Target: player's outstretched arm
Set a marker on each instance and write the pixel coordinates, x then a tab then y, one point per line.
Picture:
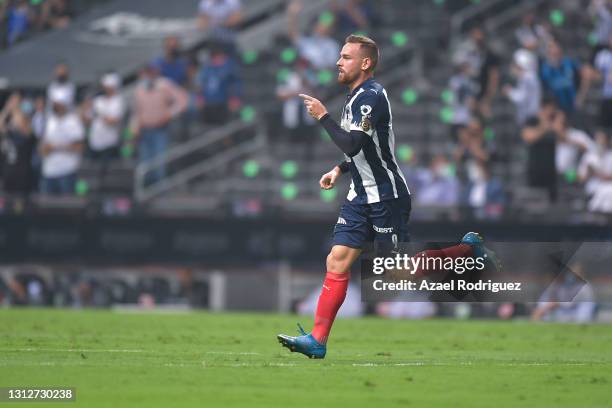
349	142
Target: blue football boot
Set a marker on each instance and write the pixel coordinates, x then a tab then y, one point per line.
305	344
476	241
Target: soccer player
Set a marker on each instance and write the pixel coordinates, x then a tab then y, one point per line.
378	206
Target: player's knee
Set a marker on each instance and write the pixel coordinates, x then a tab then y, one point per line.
339	260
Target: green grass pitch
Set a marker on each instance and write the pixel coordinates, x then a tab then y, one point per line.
233	360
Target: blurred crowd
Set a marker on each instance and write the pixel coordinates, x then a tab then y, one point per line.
548	88
145	287
22	19
45	136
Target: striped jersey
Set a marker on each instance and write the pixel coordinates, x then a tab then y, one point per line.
374	170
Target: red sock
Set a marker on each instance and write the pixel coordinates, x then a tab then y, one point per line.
330	300
455	251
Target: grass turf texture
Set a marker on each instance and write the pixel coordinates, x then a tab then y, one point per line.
230	360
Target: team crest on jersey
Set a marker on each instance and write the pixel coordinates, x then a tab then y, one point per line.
366	124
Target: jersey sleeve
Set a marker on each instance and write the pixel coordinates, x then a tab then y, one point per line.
365	111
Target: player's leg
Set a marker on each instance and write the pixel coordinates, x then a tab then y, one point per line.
470	246
350	233
334	288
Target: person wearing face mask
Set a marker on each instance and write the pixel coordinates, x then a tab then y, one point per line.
157	101
16	144
61	146
172	64
437	185
485	192
62	83
106	113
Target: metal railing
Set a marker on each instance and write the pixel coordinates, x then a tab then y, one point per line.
460	18
513	13
144	192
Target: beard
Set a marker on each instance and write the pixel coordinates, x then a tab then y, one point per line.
344	78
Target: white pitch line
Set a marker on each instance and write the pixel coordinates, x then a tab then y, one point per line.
499	364
75	350
235	353
255	365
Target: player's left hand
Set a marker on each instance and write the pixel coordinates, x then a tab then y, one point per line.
314	106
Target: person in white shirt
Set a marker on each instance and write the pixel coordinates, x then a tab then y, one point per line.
595	171
527	94
571	144
61	83
533	35
61	146
603	71
106	114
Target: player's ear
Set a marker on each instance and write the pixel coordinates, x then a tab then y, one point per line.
366	63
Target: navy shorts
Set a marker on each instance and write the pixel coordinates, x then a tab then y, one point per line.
384	223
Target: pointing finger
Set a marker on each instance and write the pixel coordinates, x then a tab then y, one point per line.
306	97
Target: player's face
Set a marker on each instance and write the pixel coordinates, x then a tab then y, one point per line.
350	63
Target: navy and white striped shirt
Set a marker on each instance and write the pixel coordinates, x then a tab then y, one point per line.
374	170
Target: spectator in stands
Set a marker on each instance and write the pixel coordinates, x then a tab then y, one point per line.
157	101
485	192
484	67
220	87
106	116
56	14
172	64
601	11
603	65
564	78
61	82
17	144
540	136
61	146
527	93
595	171
295	117
571	144
19	18
437	184
568	299
532	35
220	18
352	16
38	117
472	149
463	90
319	48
